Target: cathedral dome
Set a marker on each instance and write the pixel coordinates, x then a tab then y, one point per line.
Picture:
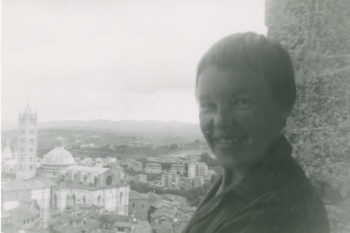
58	155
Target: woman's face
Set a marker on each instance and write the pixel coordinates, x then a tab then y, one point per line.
239	117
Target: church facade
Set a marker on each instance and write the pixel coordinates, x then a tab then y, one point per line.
83	186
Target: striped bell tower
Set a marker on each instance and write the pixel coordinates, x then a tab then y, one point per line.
27	144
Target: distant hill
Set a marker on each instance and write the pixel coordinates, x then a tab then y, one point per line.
138	128
113	132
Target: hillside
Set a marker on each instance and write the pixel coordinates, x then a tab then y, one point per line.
114	133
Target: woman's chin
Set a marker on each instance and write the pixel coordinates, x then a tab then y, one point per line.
228	163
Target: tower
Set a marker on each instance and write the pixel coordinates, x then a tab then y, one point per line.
191	172
7	153
27	144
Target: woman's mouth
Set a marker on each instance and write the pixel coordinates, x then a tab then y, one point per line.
229	141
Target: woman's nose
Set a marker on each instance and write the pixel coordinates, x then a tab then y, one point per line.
223	117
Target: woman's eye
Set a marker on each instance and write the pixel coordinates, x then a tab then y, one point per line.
242	102
207	106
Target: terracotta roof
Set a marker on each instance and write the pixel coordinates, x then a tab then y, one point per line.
75	185
163	228
25	210
87	168
136	195
113	218
10	162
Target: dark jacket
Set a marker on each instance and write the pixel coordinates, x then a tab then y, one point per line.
275	197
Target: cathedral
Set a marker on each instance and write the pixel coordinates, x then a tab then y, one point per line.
58	182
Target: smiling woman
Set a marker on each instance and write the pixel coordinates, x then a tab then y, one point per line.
245	91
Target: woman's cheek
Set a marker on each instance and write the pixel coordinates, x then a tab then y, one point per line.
205	124
248	119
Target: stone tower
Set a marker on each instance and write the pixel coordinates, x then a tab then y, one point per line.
316	33
27	144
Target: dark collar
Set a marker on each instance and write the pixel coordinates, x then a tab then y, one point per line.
272	172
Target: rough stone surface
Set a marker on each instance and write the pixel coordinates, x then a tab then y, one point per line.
317	35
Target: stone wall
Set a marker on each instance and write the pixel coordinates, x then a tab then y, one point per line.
317	35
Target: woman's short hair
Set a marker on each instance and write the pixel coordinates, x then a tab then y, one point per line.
252	52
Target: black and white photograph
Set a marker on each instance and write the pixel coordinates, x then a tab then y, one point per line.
163	116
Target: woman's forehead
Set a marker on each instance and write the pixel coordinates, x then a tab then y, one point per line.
224	81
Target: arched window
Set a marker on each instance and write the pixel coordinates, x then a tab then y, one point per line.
121	197
109	180
67	201
55	200
95	181
99	200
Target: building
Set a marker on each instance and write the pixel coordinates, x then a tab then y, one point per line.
26	217
202	169
18	191
27	144
9	167
171	180
191	170
27	185
187	184
92	219
211	173
86	161
167	217
135	165
108	162
56	160
8	160
195	168
86	186
7	152
178	168
138	205
87	145
179	201
153	168
141	178
198	181
111	223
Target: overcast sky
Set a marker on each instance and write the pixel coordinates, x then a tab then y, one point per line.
115	60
